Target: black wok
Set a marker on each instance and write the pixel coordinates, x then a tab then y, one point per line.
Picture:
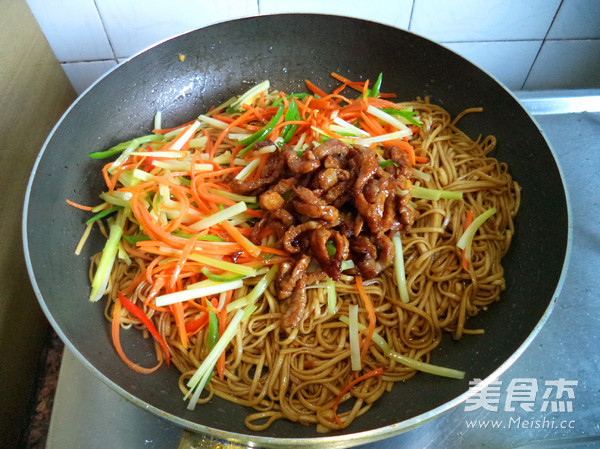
223	60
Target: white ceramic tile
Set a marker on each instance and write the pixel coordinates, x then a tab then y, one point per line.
566	64
73	29
83	74
134	25
576	19
388	12
489	20
508	61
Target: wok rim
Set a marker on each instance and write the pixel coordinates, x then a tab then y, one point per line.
336	441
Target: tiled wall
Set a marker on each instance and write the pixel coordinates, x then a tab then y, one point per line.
526	44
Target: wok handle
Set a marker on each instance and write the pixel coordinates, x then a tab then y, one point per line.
193	440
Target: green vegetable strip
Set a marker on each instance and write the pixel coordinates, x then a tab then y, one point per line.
204	371
103	213
399	268
353	337
213	330
133	239
258	290
262	133
387	163
288	130
123	145
331	249
247	96
374	91
466	240
434	194
407	361
193	293
221	277
107	259
427	367
278	102
331	295
405	114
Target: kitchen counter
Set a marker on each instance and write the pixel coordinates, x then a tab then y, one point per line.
550	397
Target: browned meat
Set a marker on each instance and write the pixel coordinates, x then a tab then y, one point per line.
295	239
303	164
270	174
292	290
332	265
330	194
331	147
271	200
309	204
289	276
402	167
293	307
372	255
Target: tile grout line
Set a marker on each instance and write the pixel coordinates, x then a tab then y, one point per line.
412	10
541	46
106	33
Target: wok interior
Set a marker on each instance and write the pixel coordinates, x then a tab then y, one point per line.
224	60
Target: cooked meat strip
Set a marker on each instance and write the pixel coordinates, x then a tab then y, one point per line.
270	173
326	204
289	276
293	241
305	163
309	204
332	265
372	255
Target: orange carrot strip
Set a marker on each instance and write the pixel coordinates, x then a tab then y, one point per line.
314	89
187	249
141	315
234	232
116	324
80	206
348	387
160	282
193	327
178	314
340	78
245	117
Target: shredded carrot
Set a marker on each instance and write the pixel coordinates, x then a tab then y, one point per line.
165	222
348	387
314	89
250	247
193	327
178	314
80	206
116	325
246	116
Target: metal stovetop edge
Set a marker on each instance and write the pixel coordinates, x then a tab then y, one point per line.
560	101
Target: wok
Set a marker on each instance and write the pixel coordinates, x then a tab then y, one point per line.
226	59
